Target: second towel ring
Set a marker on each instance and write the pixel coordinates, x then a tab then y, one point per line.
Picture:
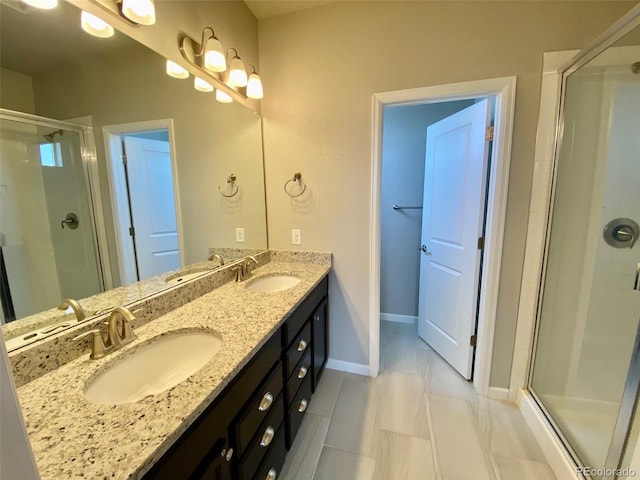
232	180
297	177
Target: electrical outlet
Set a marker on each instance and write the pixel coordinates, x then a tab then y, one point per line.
239	235
296	237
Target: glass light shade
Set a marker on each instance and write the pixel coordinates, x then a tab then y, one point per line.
139	11
95	26
214	56
254	87
237	73
223	97
202	85
176	71
43	4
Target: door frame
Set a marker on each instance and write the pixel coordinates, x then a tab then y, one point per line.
504	91
118	190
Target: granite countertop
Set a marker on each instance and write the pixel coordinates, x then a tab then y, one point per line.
72	438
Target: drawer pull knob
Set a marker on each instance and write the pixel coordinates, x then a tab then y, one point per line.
302	346
271	474
227	454
266	402
303	405
316	318
302	372
267	437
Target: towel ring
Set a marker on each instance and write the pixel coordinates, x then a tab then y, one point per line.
232	181
297	177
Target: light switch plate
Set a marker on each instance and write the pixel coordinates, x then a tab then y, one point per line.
296	237
239	235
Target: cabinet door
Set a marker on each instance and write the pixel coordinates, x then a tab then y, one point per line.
320	340
217	466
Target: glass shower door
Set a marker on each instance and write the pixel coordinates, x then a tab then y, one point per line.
589	311
47	237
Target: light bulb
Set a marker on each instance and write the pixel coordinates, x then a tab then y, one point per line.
139	11
43	4
202	85
223	97
214	56
254	87
237	73
176	71
95	26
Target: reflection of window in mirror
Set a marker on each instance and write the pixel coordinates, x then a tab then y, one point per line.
51	154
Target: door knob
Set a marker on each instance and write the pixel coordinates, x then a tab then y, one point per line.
425	250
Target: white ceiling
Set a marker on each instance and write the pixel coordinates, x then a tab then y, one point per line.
271	8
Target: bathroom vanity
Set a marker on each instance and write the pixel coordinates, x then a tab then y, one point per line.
235	418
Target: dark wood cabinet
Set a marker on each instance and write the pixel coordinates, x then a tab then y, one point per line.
245	433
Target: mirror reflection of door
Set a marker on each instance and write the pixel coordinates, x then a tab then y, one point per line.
151	221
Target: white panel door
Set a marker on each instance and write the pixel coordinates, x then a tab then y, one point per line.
452	221
153	208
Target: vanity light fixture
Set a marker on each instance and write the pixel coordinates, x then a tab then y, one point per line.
142	12
176	71
237	72
254	85
95	26
42	4
211	48
223	97
202	85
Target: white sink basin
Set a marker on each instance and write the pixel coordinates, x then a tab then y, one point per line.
153	368
273	283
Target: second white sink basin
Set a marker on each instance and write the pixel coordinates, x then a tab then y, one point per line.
153	368
273	283
181	278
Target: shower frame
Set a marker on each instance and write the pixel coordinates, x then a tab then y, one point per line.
88	155
625	415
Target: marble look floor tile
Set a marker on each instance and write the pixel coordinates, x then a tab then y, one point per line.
458	447
402	457
338	465
443	380
305	452
403	407
353	421
327	393
399	355
510	468
505	432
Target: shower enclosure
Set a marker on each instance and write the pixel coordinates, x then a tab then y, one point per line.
48	247
585	370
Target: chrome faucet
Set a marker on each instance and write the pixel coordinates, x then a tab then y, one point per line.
243	269
75	306
116	337
215	256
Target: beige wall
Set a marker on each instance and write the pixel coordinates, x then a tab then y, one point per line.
320	68
16	91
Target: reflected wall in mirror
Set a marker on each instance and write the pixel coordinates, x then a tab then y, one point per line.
182	148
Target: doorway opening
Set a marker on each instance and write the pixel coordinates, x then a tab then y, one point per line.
451	225
142	172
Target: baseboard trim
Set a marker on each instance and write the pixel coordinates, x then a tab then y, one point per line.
498	393
348	367
554	451
392	317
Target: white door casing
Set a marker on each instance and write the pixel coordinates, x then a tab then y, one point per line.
152	205
454	200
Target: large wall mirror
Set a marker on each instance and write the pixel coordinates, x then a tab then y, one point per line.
164	177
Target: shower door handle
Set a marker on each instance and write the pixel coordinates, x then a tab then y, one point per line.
636	284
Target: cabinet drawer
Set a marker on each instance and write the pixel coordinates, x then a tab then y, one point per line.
274	460
297	410
262	441
300	373
298	349
298	318
264	401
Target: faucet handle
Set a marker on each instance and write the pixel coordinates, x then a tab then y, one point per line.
99	349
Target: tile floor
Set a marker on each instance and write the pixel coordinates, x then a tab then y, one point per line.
419	420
